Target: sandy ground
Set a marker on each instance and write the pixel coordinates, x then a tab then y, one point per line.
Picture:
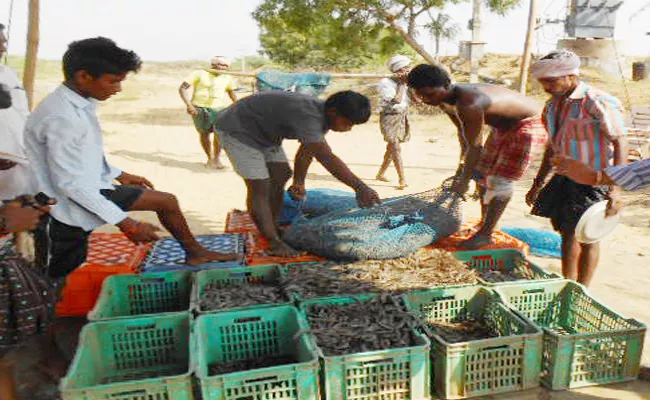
147	132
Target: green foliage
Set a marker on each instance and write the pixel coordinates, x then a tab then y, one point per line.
329	33
442	27
502	7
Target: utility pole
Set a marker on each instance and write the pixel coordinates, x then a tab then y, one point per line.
476	41
528	46
31	55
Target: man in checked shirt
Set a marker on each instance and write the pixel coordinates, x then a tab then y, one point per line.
584	124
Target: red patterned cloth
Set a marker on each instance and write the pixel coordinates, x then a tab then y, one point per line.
509	153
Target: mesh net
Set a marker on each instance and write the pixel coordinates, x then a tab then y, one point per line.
305	82
396	228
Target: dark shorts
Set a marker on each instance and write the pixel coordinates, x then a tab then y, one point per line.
564	201
204	121
61	248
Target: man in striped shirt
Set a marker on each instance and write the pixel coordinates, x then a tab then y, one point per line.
584	124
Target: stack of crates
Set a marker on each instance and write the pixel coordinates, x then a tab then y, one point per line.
108	254
585	343
506	363
396	373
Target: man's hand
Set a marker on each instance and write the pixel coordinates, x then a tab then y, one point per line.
366	197
193	111
460	186
139	232
19	218
614	204
134	180
532	194
6	164
297	192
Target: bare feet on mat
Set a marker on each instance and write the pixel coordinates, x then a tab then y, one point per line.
202	255
382	178
477	241
281	249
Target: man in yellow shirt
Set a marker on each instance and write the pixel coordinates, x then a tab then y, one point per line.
212	92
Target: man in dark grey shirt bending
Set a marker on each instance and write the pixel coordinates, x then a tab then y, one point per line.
251	133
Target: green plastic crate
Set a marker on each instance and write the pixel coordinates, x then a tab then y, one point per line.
128	296
236	276
253	334
507	363
504	260
393	374
585	343
132	359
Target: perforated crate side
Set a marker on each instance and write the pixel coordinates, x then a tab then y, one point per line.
168	255
126	296
268	274
508	363
249	334
400	373
585	343
132	359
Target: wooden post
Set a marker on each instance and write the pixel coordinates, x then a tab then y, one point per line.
31	55
528	47
476	39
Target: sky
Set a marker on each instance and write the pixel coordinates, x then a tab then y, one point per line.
168	30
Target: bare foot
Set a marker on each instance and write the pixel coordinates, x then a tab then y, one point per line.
402	185
203	255
475	242
382	178
215	163
281	249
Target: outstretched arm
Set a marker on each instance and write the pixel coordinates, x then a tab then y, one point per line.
323	153
302	162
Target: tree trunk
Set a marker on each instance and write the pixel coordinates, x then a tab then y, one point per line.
31	55
437	45
528	47
413	43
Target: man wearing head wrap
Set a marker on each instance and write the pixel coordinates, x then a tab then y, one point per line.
393	116
212	92
516	136
584	124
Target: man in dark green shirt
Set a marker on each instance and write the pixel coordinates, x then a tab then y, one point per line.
252	131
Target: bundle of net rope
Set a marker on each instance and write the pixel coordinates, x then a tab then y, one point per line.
396	228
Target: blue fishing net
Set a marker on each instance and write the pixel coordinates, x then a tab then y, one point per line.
313	83
396	228
542	242
317	202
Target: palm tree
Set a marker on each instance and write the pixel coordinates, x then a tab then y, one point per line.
442	27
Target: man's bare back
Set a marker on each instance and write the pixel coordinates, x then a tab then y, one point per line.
502	108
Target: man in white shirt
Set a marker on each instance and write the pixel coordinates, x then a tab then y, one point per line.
14	170
393	116
64	140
